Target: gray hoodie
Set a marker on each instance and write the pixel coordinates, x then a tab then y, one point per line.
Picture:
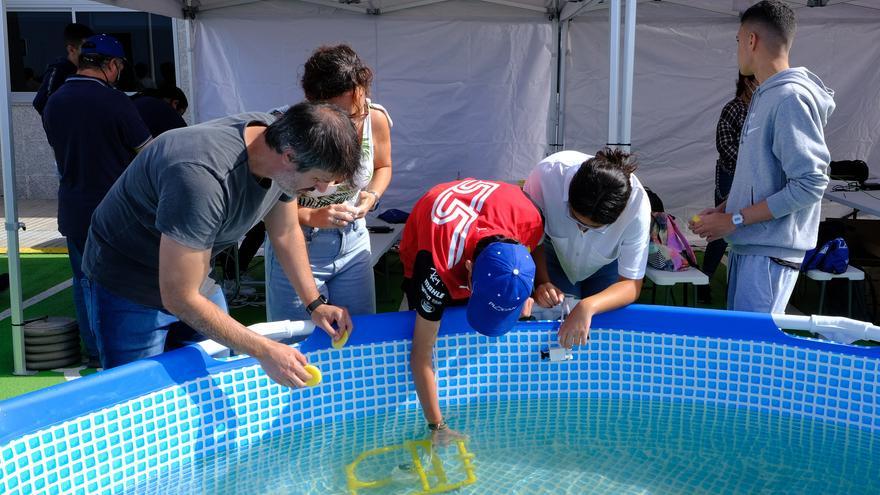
782	159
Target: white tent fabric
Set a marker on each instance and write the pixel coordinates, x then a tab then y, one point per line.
470	84
685	71
468	97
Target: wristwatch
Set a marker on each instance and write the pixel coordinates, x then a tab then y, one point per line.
737	219
317	302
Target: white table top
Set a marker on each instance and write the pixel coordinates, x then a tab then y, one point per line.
864	201
381	243
663	277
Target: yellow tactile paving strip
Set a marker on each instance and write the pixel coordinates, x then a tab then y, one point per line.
41	236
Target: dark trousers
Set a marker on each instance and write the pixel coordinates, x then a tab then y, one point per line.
246	252
715	249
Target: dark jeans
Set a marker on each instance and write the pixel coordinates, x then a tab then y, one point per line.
594	284
74	253
715	249
127	331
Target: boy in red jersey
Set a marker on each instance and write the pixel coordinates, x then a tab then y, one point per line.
466	242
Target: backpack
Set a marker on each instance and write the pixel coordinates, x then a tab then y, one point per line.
669	249
849	170
832	257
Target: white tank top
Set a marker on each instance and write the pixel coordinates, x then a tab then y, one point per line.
348	192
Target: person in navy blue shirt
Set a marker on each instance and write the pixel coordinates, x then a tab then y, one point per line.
161	109
57	72
95	131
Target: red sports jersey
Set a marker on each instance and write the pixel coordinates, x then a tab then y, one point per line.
451	218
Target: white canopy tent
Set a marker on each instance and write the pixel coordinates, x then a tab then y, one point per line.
472	84
475	87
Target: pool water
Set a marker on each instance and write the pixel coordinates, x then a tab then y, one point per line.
556	446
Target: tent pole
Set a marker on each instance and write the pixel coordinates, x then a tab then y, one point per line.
562	63
190	65
553	115
12	224
629	50
614	74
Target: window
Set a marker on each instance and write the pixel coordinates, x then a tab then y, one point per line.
36	40
148	45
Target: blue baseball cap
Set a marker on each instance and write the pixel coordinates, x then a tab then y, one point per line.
502	280
102	44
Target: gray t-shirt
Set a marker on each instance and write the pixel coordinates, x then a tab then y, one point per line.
192	185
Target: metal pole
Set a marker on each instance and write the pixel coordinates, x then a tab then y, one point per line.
614	73
152	54
553	116
193	101
11	221
629	54
563	62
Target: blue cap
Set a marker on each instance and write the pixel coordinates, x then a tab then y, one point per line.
502	281
102	44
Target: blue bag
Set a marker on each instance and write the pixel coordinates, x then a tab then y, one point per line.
394	216
832	257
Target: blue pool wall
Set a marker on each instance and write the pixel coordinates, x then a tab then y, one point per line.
124	427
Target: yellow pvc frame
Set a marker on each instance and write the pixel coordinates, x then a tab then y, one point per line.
413	446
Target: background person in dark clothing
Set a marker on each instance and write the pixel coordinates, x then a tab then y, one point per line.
161	109
95	132
58	71
727	133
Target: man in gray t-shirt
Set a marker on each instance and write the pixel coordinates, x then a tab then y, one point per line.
188	195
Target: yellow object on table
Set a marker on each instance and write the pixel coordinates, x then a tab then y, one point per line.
432	481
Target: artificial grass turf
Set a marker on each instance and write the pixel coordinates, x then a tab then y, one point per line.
39	273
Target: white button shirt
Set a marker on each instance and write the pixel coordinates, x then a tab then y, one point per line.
582	254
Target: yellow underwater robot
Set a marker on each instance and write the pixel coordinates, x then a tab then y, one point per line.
431	481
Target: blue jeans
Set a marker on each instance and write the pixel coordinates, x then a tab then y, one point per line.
74	253
593	284
127	331
340	260
758	284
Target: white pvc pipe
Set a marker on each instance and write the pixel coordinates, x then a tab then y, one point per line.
629	50
11	220
614	72
275	330
835	328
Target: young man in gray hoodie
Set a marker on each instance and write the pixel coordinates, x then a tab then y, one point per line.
771	217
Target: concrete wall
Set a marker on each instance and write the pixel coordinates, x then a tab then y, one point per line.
36	176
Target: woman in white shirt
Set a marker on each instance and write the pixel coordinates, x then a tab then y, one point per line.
597	221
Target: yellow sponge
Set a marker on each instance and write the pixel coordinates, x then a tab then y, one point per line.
316	375
340	343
